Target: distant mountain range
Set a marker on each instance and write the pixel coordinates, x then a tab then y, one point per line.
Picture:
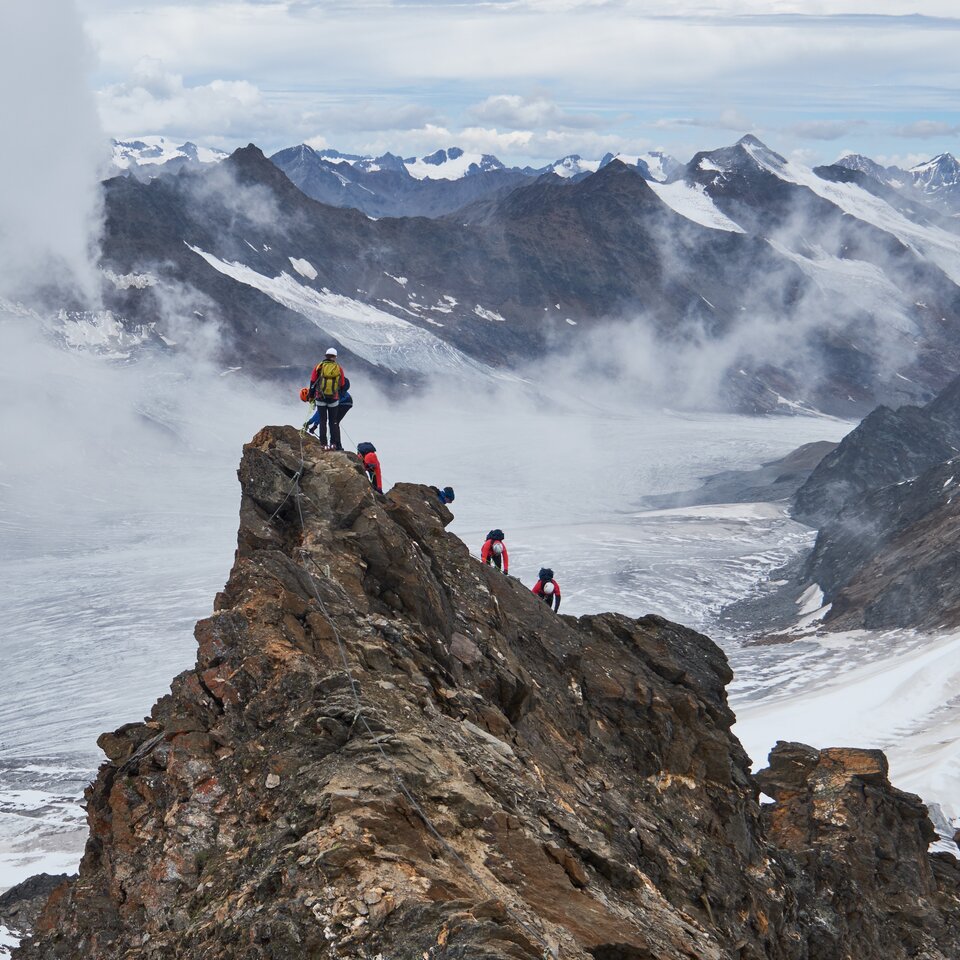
148	157
751	280
936	182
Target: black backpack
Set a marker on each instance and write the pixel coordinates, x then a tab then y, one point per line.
495	535
545	574
364	448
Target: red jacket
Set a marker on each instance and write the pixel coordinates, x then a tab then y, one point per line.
371	464
316	374
548	597
487	554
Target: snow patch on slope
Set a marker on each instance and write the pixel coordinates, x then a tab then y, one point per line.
693	202
102	333
485	314
7	942
855	281
304	267
450	164
375	335
573	166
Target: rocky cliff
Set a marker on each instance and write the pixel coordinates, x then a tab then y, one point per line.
386	749
888	547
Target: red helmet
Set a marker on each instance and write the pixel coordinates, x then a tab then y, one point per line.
304	394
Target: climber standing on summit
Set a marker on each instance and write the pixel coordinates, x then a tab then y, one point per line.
494	551
326	383
547	589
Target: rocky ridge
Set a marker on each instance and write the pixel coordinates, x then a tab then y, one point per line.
388	749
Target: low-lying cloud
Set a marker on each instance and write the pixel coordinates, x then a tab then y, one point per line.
53	152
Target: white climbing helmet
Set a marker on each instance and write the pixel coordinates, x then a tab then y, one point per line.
498	548
548	587
331	351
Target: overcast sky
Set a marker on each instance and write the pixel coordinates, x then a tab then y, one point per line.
533	80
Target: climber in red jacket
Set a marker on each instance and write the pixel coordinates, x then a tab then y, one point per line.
494	551
367	453
547	589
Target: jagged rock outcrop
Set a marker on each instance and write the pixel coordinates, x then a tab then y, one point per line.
21	905
857	882
388	749
888	446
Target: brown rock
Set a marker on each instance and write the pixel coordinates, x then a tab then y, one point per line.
479	781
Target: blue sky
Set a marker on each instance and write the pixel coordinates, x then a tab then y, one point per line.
533	80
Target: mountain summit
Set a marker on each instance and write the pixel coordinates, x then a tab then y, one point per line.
386	748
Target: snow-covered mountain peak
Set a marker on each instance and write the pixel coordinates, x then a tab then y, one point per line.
936	174
146	151
451	164
653	165
760	152
862	164
573	166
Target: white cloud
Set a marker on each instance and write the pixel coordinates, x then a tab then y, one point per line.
53	150
157	101
517	113
728	119
922	129
824	129
333	68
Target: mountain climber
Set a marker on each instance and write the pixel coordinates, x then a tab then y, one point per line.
494	551
547	589
326	382
367	453
444	494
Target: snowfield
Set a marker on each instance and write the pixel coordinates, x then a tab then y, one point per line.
377	336
691	201
7	941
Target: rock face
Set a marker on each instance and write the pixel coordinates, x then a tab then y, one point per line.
20	905
877	887
386	748
885	503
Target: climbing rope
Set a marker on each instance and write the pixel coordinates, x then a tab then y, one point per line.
549	951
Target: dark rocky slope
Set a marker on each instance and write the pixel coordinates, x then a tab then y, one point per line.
487	780
888	551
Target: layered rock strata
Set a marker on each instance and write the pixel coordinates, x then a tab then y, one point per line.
388	749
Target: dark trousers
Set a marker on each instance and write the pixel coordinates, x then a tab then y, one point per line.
331	413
